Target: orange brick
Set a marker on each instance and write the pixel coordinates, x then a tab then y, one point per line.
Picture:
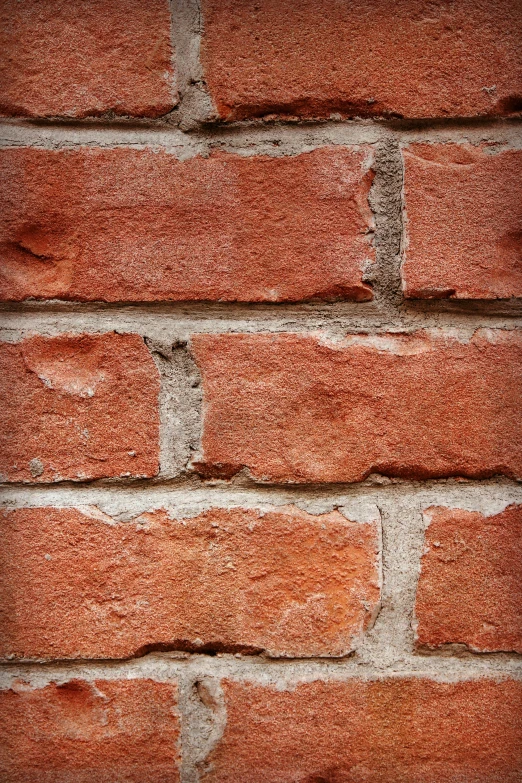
296	408
464	222
78	585
78	407
61	59
106	731
406	730
140	225
470	587
401	58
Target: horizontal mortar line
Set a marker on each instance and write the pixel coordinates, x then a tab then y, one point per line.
347	662
392	125
161	666
190	489
222	318
307	134
510	308
189	308
210	307
223	127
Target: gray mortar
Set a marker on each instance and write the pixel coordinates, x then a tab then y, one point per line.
179	406
272	139
192	499
196	106
386	204
283	675
177	323
202	705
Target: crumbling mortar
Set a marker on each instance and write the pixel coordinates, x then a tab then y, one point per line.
277	138
187	481
414	309
179	323
196	107
386	204
168	667
179	406
203	711
194	496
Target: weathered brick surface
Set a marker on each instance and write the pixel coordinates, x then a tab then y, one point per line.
364	57
464	222
75	584
407	730
241	228
78	407
119	225
106	731
58	58
470	587
295	408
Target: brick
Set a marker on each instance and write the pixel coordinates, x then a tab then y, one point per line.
59	60
141	225
470	587
78	407
76	584
106	731
297	408
406	730
364	57
464	222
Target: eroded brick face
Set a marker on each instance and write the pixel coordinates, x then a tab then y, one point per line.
464	222
239	579
106	731
470	587
78	407
129	225
398	58
295	408
59	59
406	730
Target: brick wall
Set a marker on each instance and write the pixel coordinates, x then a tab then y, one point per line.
260	391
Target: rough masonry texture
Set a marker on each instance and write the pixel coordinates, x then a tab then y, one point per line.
464	222
118	225
78	407
260	391
281	580
401	729
397	58
470	587
101	731
298	408
56	60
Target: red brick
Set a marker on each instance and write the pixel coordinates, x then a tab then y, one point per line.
78	407
406	730
470	587
106	731
364	57
118	225
464	222
296	408
59	58
78	585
